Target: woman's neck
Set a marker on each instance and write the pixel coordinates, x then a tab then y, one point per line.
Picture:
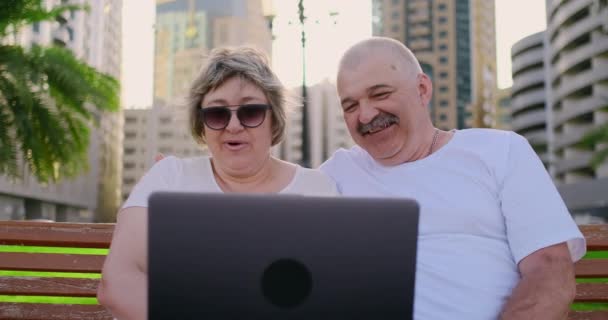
255	179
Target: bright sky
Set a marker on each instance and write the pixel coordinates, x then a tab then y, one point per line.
515	19
327	39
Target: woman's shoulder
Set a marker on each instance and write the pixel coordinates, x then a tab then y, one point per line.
177	169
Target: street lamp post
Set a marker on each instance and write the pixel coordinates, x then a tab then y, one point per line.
305	160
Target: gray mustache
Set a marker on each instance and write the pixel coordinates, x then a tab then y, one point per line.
380	121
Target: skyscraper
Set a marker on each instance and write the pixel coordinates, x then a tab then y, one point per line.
577	83
560	94
502	113
528	93
187	29
455	44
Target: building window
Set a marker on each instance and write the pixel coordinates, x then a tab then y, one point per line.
70	34
130	135
128	181
443	47
443	59
396	2
36	27
129	151
443	34
130	120
129	165
442	7
395	28
165	150
443	75
443	20
165	135
395	15
443	117
444	103
443	89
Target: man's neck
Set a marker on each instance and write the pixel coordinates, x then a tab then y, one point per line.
434	139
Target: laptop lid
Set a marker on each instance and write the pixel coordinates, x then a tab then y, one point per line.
221	256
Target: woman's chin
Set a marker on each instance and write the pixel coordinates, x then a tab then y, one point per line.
239	163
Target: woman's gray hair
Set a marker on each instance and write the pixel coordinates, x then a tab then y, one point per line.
249	64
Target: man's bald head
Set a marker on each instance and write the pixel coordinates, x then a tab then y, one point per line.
397	54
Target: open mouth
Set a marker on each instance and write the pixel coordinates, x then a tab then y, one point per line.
234	145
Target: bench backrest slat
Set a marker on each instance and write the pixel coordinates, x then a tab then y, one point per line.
591	268
41	311
596	236
588	315
591	292
51	262
78	235
40	286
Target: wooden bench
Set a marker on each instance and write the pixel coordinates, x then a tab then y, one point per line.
50	234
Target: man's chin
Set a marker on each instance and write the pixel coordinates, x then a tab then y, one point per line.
379	152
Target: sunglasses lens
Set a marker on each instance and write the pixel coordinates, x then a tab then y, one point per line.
216	117
252	115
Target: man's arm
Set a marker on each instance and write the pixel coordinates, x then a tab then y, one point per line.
547	286
124	285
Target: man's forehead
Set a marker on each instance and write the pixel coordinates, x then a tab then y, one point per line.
367	73
366	57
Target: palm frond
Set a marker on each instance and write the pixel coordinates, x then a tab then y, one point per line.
75	82
599	158
46	140
590	140
8	148
597	135
47	91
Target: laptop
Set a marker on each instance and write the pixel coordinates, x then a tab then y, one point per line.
221	256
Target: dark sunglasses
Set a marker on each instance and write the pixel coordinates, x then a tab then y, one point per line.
249	115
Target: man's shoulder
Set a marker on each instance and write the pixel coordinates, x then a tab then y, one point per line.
490	139
314	182
312	174
343	156
485	134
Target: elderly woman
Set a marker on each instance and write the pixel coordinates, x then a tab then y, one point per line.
237	108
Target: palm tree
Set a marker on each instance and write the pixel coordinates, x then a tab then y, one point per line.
594	137
47	98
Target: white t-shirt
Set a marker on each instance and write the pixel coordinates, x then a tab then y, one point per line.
196	175
486	202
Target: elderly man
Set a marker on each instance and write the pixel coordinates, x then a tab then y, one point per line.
496	240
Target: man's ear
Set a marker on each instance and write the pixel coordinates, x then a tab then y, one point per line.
425	89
